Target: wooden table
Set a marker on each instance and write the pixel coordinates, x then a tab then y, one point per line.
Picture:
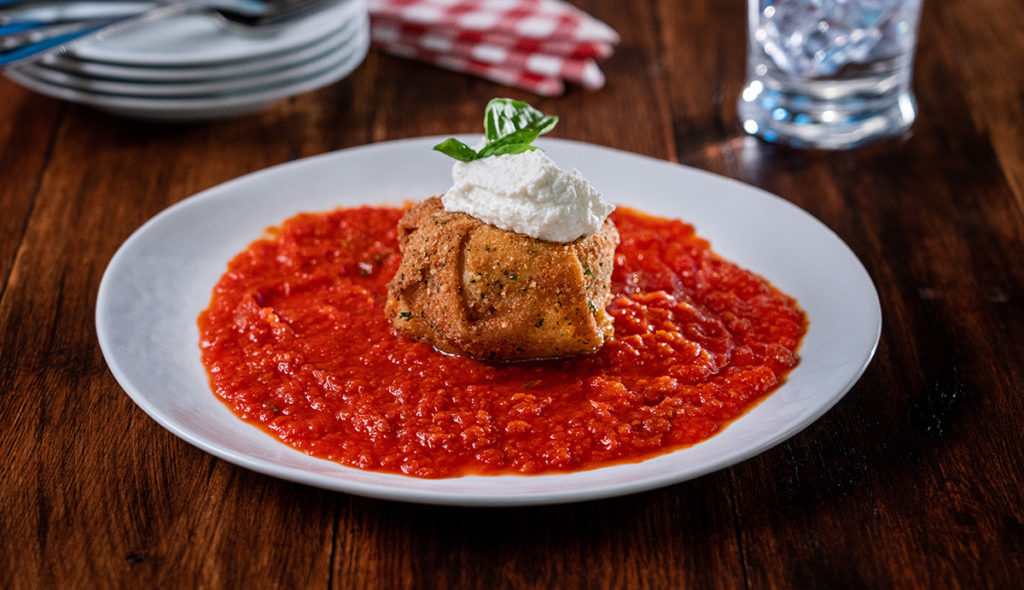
913	480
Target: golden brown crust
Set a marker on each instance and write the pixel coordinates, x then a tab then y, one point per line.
470	288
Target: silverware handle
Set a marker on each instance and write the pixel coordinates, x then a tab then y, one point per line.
22	42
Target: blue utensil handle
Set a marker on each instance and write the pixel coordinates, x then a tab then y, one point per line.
18	27
27	34
19	43
28	50
22	44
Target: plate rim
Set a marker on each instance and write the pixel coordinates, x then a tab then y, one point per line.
305	67
173	108
201	82
288	38
428	496
142	74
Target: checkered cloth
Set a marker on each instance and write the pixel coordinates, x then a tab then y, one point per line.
537	45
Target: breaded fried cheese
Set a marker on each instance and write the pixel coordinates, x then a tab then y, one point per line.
469	288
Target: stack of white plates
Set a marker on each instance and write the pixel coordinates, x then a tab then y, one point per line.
192	67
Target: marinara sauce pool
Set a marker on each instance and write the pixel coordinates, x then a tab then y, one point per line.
296	341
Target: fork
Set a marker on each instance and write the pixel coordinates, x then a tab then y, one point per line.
30	29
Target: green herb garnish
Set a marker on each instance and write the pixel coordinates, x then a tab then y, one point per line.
510	127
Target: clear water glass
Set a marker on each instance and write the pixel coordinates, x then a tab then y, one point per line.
829	74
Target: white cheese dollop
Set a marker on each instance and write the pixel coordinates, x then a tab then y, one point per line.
527	193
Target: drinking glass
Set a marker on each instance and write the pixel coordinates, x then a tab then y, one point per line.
829	74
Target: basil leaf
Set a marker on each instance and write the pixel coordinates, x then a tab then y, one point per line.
510	126
458	150
494	149
505	116
497	147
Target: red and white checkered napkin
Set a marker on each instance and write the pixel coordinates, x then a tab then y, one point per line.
536	45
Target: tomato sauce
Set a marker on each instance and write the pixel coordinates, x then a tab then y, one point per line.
295	340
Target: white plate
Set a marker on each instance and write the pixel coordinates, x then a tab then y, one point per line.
200	40
337	51
207	107
79	9
162	277
139	75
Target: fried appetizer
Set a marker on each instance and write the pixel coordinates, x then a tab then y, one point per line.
469	288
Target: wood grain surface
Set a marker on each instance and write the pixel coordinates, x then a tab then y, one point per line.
912	481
